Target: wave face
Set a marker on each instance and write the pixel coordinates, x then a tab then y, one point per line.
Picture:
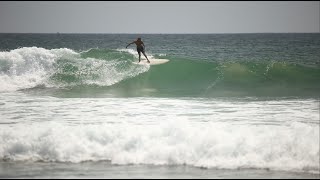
114	72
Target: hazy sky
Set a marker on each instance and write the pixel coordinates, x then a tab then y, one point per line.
159	17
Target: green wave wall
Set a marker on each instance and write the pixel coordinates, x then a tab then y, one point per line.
184	77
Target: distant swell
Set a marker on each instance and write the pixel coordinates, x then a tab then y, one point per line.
32	67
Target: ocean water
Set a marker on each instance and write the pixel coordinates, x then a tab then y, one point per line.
224	106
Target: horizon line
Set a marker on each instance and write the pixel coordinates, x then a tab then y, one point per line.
158	33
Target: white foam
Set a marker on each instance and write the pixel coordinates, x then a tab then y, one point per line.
28	66
174	142
108	72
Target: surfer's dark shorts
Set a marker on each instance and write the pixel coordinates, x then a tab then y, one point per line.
140	49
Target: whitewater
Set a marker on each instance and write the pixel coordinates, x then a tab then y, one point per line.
231	107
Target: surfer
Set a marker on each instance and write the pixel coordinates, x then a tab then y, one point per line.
140	48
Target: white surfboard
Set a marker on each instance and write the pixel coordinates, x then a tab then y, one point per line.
152	61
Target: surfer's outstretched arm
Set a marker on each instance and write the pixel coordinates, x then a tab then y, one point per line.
129	44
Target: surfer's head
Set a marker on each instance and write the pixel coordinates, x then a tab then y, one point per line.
139	39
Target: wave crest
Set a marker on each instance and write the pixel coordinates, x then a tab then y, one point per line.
30	67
